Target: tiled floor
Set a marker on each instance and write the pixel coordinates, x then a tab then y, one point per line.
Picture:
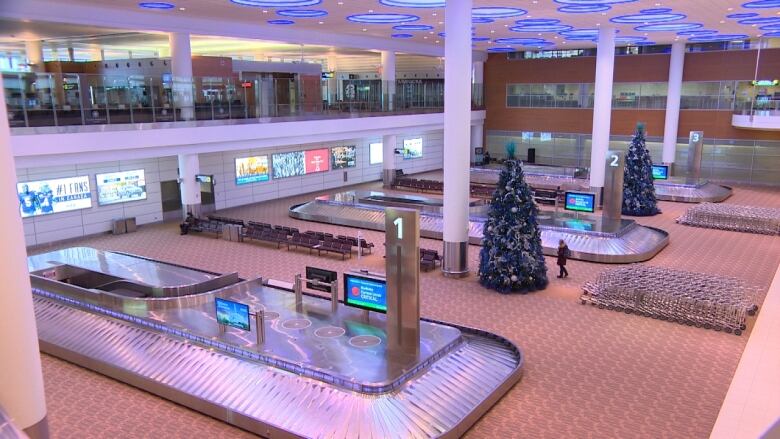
589	372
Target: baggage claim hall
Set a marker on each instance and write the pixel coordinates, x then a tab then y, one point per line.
390	219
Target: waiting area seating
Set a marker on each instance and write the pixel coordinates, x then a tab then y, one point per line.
428	259
208	225
479	190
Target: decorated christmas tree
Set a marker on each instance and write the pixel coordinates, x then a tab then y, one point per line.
638	190
511	259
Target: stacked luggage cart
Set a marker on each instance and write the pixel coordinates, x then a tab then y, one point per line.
696	299
749	219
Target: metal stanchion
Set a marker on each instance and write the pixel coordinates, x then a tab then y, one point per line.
260	326
298	289
334	297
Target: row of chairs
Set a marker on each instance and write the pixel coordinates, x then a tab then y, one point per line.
207	225
226	220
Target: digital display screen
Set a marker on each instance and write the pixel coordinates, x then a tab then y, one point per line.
53	196
366	293
252	169
233	314
545	137
317	160
204	178
119	187
375	154
327	276
580	202
413	148
343	157
660	172
288	164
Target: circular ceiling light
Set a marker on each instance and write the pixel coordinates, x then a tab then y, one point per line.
277	3
540	28
408	27
580	32
771	35
414	3
583	9
402	35
282	22
655	11
715	38
760	4
646	18
743	15
302	13
629	39
481	20
521	41
593	2
645	43
501	49
582	38
497	12
156	5
668	27
537	21
770	27
382	18
479	39
760	20
692	33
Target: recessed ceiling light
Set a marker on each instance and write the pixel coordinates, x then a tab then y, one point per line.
321	22
492	31
729	9
182	9
364	29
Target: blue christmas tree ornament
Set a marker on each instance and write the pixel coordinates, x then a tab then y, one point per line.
638	189
511	259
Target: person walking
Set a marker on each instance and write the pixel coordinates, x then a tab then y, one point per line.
563	255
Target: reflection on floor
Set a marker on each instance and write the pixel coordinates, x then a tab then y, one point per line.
589	372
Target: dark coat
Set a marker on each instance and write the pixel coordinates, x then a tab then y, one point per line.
562	254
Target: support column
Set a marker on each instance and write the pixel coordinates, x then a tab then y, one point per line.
457	123
602	106
333	83
388	80
21	379
478	83
477	139
34	54
181	70
388	160
189	167
672	122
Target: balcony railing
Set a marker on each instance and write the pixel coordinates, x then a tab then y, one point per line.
42	100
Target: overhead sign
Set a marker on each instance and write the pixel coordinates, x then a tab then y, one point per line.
766	82
365	292
53	196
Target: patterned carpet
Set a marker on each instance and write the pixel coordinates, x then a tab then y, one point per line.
589	372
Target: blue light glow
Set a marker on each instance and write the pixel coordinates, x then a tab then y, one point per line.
497	12
691	33
712	38
593	2
629	39
583	9
647	18
276	3
382	18
771	34
414	3
501	49
281	22
743	15
156	5
580	32
481	20
402	35
770	27
521	41
541	28
302	13
408	27
645	43
760	4
760	20
537	21
479	39
582	38
655	11
668	27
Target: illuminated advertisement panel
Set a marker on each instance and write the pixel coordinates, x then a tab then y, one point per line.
119	187
53	196
252	169
317	160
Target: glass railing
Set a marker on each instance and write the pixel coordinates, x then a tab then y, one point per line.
759	106
45	99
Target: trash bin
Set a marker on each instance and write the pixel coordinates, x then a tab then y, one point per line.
226	232
118	226
235	233
130	225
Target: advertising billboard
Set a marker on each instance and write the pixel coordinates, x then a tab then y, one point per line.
660	172
366	293
317	160
252	169
288	164
54	196
375	154
233	314
119	187
343	157
413	148
580	202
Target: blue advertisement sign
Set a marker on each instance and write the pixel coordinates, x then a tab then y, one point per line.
660	172
366	293
233	314
53	196
580	202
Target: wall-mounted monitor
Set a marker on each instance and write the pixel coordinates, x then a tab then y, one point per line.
204	179
288	164
343	157
413	148
326	276
119	187
365	292
375	153
233	314
57	195
580	202
660	172
317	160
252	169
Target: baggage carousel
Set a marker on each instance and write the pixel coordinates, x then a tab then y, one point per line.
319	372
682	190
590	238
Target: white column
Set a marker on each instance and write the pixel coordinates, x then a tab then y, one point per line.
388	79
673	102
21	379
457	136
181	70
389	143
477	136
602	105
478	82
333	83
34	54
189	166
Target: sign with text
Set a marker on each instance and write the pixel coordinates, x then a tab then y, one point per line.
53	196
660	172
580	202
402	265
317	160
365	292
233	314
252	169
118	187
